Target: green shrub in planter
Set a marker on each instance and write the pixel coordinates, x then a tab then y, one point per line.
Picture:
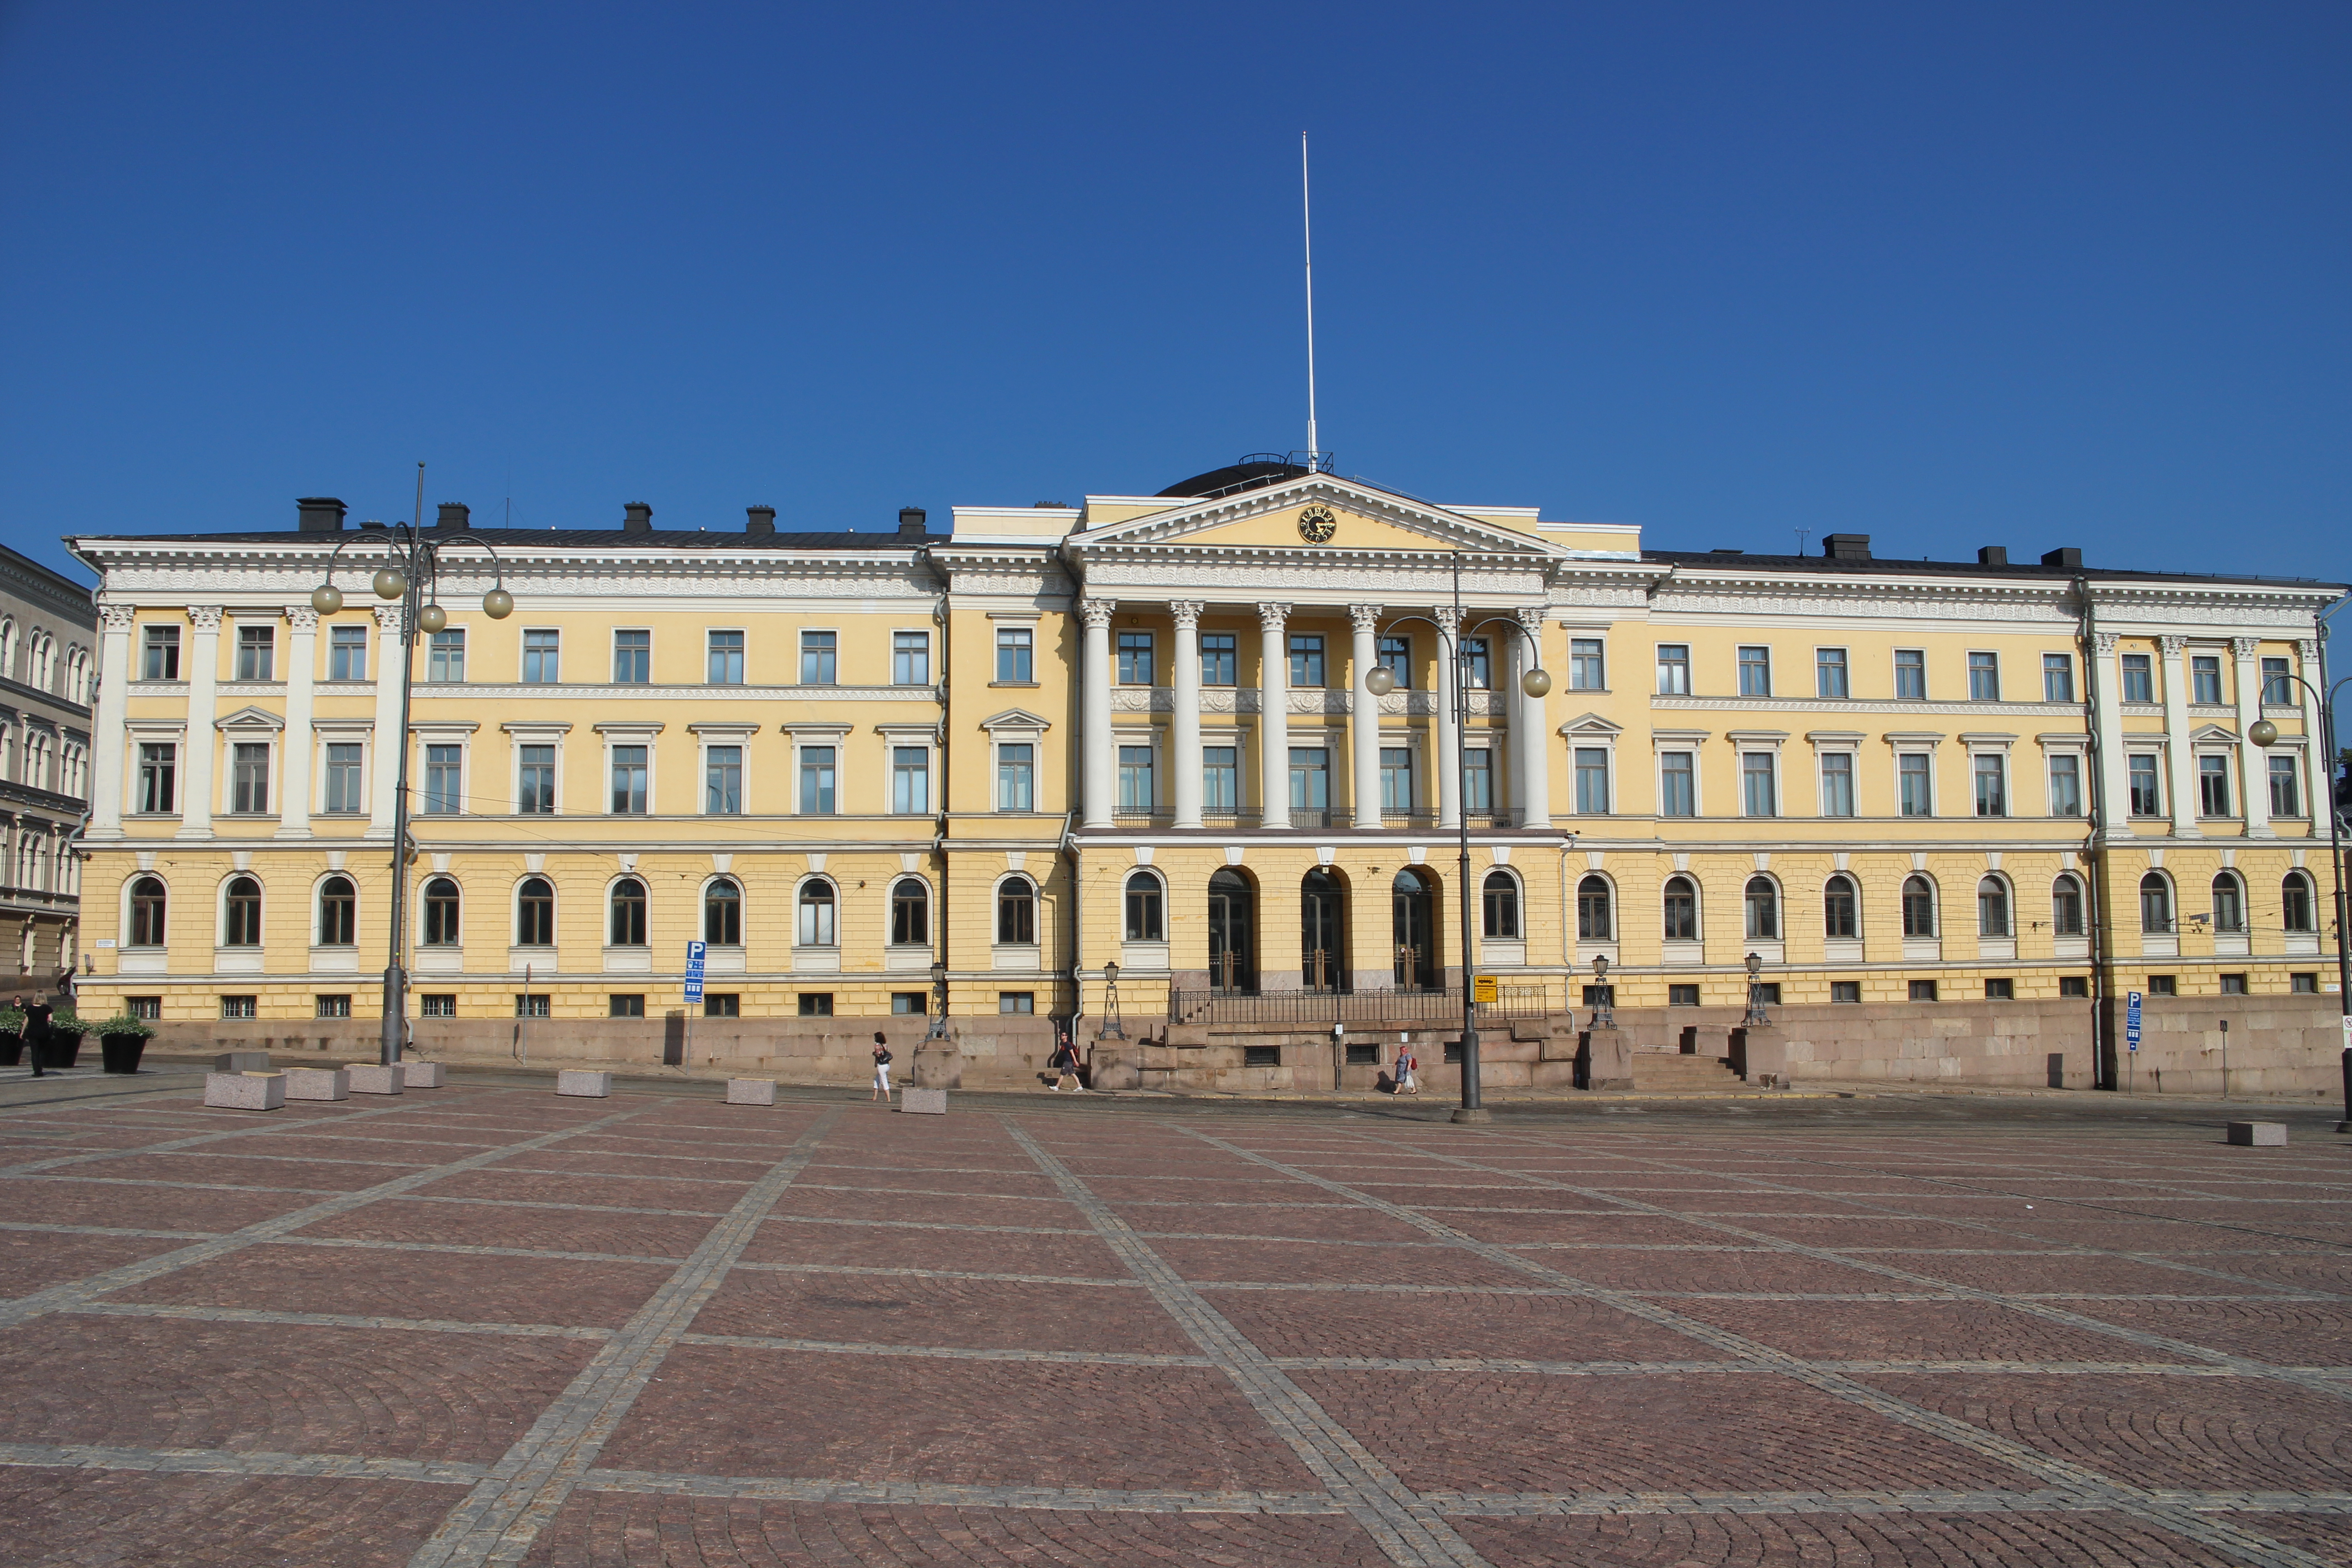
11	1037
122	1040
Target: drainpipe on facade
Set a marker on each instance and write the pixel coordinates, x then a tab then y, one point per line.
947	775
2105	1071
1077	923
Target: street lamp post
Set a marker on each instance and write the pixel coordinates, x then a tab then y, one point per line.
2265	733
1110	1030
410	575
1604	1012
1757	1018
939	1029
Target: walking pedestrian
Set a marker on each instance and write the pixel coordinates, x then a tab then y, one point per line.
36	1034
1407	1065
31	1052
1065	1065
881	1068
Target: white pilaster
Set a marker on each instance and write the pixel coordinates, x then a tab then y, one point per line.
391	664
1274	717
2318	757
1449	722
201	780
1184	747
2253	762
1533	746
1364	723
109	745
2180	757
295	745
1098	748
2107	719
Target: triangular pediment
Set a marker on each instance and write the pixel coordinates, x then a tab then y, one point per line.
250	718
2213	732
1591	724
1292	516
1016	719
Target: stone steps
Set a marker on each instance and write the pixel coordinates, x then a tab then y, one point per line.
1662	1072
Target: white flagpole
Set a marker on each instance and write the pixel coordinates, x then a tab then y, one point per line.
1307	219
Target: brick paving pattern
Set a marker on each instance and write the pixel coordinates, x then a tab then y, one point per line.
487	1326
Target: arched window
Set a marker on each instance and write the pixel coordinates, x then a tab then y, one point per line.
440	912
1841	909
1145	919
628	928
1992	906
911	913
2066	906
1016	912
2155	904
2295	896
535	913
1918	907
242	928
2229	903
147	902
1595	921
1500	898
723	911
813	908
1682	909
339	912
1763	901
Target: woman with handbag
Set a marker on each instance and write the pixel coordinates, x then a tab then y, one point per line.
881	1068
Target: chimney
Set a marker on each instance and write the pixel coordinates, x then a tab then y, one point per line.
762	521
318	514
2068	559
1846	546
1993	556
455	514
911	524
640	518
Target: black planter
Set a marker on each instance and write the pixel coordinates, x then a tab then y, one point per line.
122	1051
60	1050
12	1050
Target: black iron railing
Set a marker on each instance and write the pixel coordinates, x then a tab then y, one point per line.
1325	1008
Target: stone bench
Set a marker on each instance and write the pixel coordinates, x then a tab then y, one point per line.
425	1075
586	1085
2258	1134
246	1091
318	1083
241	1061
750	1092
374	1077
924	1101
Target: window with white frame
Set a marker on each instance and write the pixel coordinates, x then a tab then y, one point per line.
1016	655
2065	784
1135	659
2143	791
633	657
910	913
2057	678
163	653
723	657
817	780
1220	659
1592	763
444	768
1910	674
820	659
1759	785
630	776
1837	784
1915	794
1830	673
1016	912
1135	781
2213	786
2066	905
1673	670
2278	683
346	777
910	779
159	775
2139	677
540	646
445	657
1990	772
1993	907
1394	654
535	780
1221	779
255	653
723	911
1016	776
249	777
347	651
2286	785
1396	780
1755	671
1478	780
1984	678
1586	670
2205	679
814	908
911	659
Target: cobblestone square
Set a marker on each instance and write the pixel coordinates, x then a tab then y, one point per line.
484	1325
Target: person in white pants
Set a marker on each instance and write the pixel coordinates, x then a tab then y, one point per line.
881	1068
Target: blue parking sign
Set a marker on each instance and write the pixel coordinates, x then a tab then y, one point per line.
2131	1020
694	951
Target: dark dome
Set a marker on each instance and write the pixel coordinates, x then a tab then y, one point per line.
1257	468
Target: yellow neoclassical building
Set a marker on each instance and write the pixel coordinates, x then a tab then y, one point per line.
867	768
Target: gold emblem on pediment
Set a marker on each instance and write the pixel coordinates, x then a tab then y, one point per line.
1316	524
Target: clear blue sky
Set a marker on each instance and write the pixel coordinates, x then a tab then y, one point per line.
2025	274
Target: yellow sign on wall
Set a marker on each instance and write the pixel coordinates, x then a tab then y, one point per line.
1485	988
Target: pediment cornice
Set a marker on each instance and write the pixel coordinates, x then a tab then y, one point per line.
1445	530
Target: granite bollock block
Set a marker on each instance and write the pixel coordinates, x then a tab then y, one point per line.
241	1061
245	1090
2258	1134
924	1101
318	1083
374	1077
425	1075
588	1085
750	1092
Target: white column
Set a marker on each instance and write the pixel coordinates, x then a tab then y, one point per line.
294	747
1364	723
2254	763
389	660
2115	767
2317	758
1099	780
1449	722
200	778
1534	746
109	745
1273	717
1184	744
2181	757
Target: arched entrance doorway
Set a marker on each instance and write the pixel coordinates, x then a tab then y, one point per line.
1323	932
1233	933
1414	899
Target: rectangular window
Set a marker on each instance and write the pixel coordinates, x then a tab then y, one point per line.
162	654
159	774
336	1007
724	659
443	766
911	659
816	781
1991	773
2278	685
910	1003
628	781
1220	661
1477	663
812	1004
2205	679
1592	781
1135	797
2065	784
237	1007
539	646
532	1004
1757	795
1016	1001
1310	778
1830	673
2139	678
537	794
1756	672
249	781
2234	985
625	1005
439	1004
1395	656
2057	678
346	789
1682	996
2164	986
1837	784
1914	784
256	652
1220	779
1396	779
818	663
1984	678
347	653
1673	673
2286	790
1910	674
2001	989
2305	983
1015	648
633	658
1845	990
1135	659
1306	661
2073	985
1922	990
1016	777
151	1008
1586	670
2213	786
1678	785
910	779
2147	800
1477	781
722	781
445	657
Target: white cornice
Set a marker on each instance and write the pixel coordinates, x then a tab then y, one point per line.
1446	530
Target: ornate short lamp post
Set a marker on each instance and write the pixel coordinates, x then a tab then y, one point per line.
2265	733
1757	1018
939	1029
1604	1012
1110	1030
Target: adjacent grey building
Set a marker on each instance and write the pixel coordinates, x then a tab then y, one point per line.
49	664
